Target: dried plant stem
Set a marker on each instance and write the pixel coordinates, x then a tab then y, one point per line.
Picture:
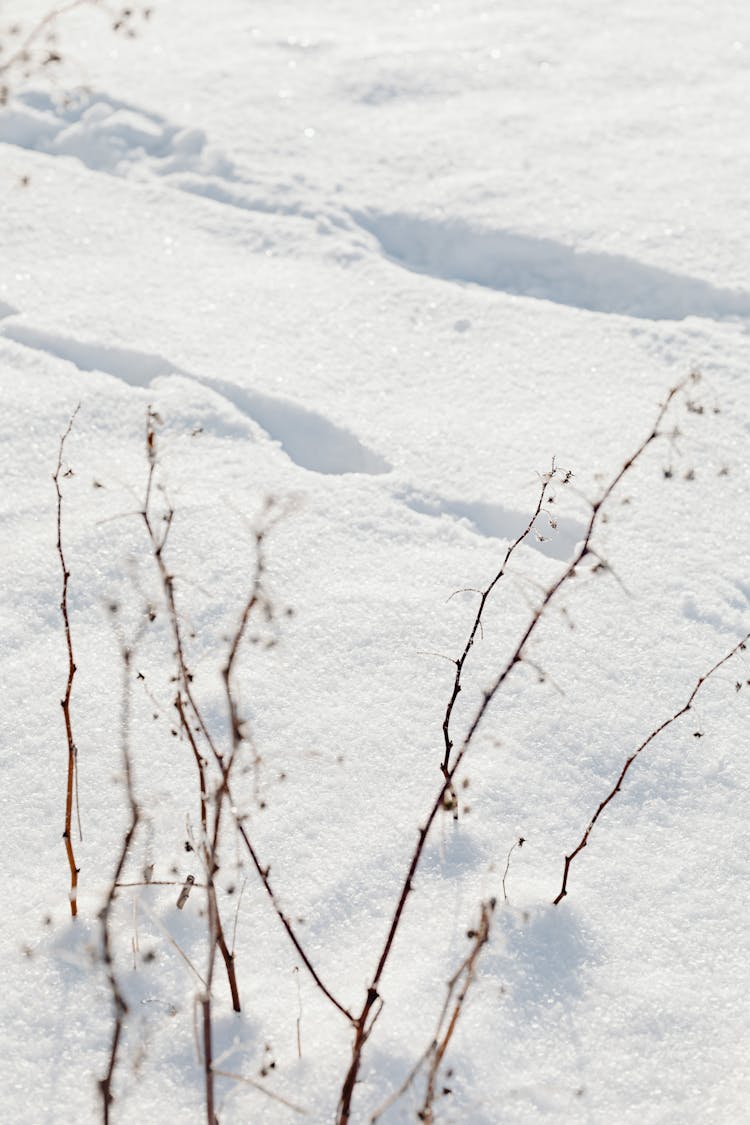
461	980
477	625
185	700
214	802
208	1069
741	645
21	54
435	1051
263	874
361	1022
263	1090
519	843
71	787
119	1001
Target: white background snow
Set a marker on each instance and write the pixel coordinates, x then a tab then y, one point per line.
382	263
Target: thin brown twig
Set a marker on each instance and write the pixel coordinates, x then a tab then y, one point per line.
263	874
741	645
119	1002
161	883
189	704
519	843
477	625
450	766
71	786
436	1048
21	54
467	971
185	696
263	1090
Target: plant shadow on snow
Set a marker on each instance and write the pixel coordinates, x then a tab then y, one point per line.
453	856
157	1001
537	960
542	268
543	956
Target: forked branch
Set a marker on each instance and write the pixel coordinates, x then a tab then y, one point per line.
361	1023
629	761
477	625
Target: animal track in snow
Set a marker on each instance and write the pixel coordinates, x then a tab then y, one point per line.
121	139
308	438
496	522
108	135
542	268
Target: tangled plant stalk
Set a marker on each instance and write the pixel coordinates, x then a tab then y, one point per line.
217	757
215	763
158	526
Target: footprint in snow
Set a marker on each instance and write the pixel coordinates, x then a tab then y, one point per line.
308	438
542	268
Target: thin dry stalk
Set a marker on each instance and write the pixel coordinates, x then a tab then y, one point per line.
461	980
518	844
71	787
118	999
629	761
362	1021
263	1090
213	804
21	55
27	61
221	797
263	874
477	625
186	704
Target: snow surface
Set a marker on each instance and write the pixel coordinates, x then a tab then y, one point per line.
383	262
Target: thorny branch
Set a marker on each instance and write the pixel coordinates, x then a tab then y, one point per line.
71	786
361	1023
629	761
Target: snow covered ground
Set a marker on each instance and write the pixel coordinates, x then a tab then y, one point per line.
382	263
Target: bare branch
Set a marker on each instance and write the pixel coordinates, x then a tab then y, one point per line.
72	783
741	645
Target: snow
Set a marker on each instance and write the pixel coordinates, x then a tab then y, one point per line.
383	264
